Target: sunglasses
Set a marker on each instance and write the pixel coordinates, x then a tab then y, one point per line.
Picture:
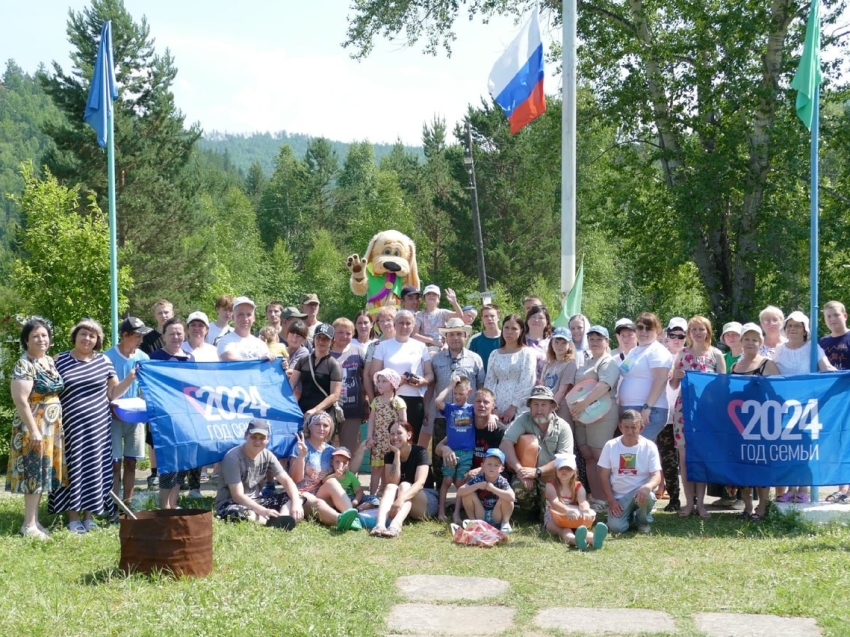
679	337
644	328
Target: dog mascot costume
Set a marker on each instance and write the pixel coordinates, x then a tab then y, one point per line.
388	265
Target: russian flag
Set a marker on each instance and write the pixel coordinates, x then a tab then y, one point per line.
516	81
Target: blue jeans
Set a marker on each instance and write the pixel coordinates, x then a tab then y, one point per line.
657	420
642	513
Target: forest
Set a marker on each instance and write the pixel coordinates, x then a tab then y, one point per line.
692	179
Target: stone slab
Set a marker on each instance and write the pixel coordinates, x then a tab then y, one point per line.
448	619
432	588
741	625
606	621
819	512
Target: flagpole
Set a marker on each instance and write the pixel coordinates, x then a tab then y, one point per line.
568	149
813	246
113	240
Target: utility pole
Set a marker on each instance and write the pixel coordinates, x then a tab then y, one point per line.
469	164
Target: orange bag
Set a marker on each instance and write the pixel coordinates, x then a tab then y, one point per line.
527	449
478	533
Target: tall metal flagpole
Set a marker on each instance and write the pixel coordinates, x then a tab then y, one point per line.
813	248
568	149
113	235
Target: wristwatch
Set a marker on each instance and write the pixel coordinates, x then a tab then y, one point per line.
538	473
645	406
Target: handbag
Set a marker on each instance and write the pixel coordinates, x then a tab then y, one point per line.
477	533
335	410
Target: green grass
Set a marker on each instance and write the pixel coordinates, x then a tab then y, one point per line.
314	581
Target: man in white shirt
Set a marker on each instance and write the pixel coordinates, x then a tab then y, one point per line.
240	344
630	470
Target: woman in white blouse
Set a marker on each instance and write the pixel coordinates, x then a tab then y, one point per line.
511	370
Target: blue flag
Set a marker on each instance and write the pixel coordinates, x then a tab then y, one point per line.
102	91
755	431
199	411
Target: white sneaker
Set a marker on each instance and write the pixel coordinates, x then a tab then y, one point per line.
195	494
507	529
645	529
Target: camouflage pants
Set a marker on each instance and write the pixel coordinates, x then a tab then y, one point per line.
669	461
531	502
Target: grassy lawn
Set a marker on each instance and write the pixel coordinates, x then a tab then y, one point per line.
314	581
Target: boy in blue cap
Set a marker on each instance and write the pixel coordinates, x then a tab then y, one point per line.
488	496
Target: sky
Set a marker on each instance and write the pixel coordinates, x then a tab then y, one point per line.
269	65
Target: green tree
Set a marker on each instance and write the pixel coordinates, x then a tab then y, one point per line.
63	273
255	182
154	190
281	212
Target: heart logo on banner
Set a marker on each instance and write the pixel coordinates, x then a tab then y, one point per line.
732	410
189	392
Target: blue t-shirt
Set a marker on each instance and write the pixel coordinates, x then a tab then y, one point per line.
123	365
460	427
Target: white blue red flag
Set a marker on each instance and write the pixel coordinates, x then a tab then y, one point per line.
516	81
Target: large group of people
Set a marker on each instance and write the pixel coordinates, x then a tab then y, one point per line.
521	416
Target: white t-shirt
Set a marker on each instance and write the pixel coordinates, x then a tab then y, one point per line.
206	353
216	331
636	374
796	361
246	348
630	466
409	356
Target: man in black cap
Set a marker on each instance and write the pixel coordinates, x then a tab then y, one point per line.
410	298
243	474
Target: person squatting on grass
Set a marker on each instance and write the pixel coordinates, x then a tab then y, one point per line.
630	470
566	502
243	474
488	496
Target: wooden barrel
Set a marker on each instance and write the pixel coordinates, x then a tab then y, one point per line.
178	541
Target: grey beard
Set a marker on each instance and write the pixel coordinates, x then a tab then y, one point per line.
541	420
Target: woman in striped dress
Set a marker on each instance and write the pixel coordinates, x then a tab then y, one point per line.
90	383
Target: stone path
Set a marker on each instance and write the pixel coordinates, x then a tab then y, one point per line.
422	619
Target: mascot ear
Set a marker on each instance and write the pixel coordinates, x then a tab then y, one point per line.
375	239
414	269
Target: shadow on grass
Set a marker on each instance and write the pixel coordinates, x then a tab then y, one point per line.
103	576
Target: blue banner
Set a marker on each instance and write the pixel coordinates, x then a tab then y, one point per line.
199	411
756	431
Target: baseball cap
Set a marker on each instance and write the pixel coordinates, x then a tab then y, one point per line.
133	325
309	298
429	289
325	330
495	452
751	327
562	332
468	307
409	289
677	323
258	426
599	329
291	312
624	323
342	451
198	316
565	460
732	326
243	300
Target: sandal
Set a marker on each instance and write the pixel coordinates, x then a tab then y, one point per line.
703	515
392	532
788	496
76	527
686	512
755	517
378	530
672	506
801	498
346	519
90	525
744	515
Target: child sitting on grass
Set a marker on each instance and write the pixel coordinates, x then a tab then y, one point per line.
460	435
566	496
386	409
488	496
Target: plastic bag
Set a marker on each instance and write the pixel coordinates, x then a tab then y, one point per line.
478	533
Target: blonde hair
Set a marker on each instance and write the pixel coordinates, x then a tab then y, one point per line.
702	321
835	305
771	309
92	326
268	334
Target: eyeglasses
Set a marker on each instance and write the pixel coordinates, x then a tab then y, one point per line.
644	328
679	337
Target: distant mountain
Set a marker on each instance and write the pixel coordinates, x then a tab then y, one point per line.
242	150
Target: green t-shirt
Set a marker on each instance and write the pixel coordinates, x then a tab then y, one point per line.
350	484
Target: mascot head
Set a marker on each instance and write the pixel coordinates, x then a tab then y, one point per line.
392	251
